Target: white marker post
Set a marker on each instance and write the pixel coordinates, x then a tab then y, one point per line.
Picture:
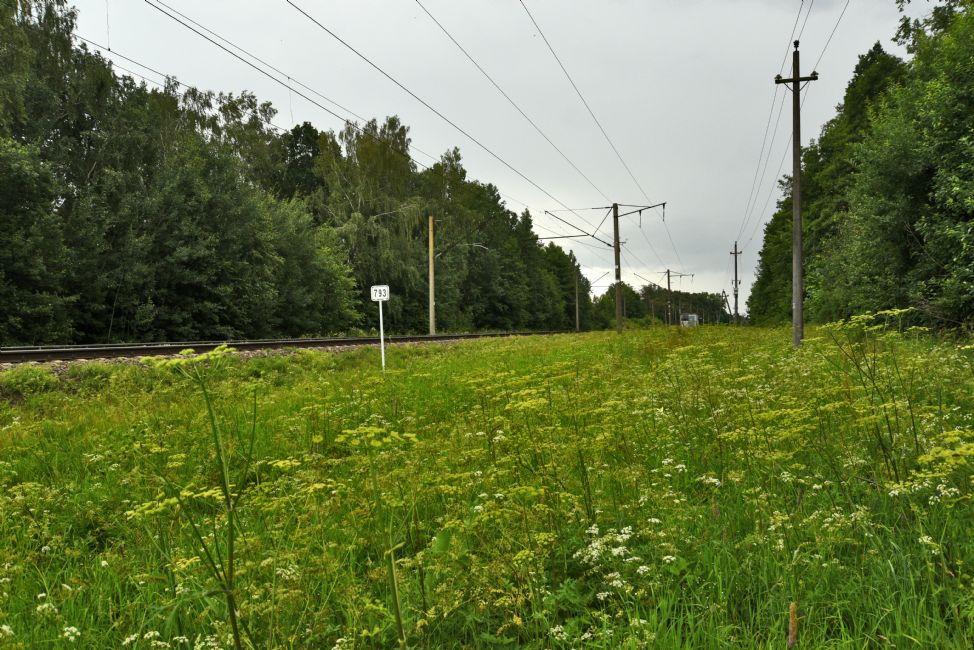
380	294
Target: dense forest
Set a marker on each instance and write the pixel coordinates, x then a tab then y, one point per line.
132	213
888	187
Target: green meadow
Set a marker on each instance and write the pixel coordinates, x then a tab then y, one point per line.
667	488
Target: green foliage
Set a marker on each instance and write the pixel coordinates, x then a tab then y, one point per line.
887	190
26	380
665	488
32	251
828	166
139	214
654	305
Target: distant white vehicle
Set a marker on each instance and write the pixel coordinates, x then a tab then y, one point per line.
689	320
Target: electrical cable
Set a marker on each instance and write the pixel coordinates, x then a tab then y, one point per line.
651	247
603	221
173	79
829	41
114	53
427	105
764	170
811	5
276	80
748	207
781	166
584	102
511	101
261	61
599	125
758	222
287	85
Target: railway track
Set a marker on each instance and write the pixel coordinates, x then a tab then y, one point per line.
130	350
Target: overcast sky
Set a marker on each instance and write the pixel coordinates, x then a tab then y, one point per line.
682	87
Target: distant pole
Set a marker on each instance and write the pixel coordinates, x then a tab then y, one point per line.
669	299
578	322
615	242
736	253
797	277
432	281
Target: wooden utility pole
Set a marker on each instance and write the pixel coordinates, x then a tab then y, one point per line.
736	253
432	281
615	244
797	276
669	292
669	299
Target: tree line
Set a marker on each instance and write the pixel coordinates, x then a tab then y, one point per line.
652	304
133	213
888	187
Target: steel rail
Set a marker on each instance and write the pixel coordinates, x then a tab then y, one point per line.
129	350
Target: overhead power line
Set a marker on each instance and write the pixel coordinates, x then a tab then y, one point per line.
755	191
598	123
261	61
828	42
511	101
428	105
286	85
585	102
832	35
568	223
270	76
113	53
808	13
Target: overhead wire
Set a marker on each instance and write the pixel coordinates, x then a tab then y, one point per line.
598	124
171	78
755	192
511	101
804	97
275	79
287	85
422	101
651	247
584	101
260	60
832	35
808	13
165	77
763	167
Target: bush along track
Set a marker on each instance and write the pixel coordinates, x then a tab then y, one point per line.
665	488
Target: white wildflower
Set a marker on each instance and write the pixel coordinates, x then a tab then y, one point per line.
558	633
46	609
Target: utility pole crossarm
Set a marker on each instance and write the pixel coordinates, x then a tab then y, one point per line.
812	77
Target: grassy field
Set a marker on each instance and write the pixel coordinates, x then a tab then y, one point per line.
663	489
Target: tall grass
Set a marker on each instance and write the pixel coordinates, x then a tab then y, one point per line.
669	488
